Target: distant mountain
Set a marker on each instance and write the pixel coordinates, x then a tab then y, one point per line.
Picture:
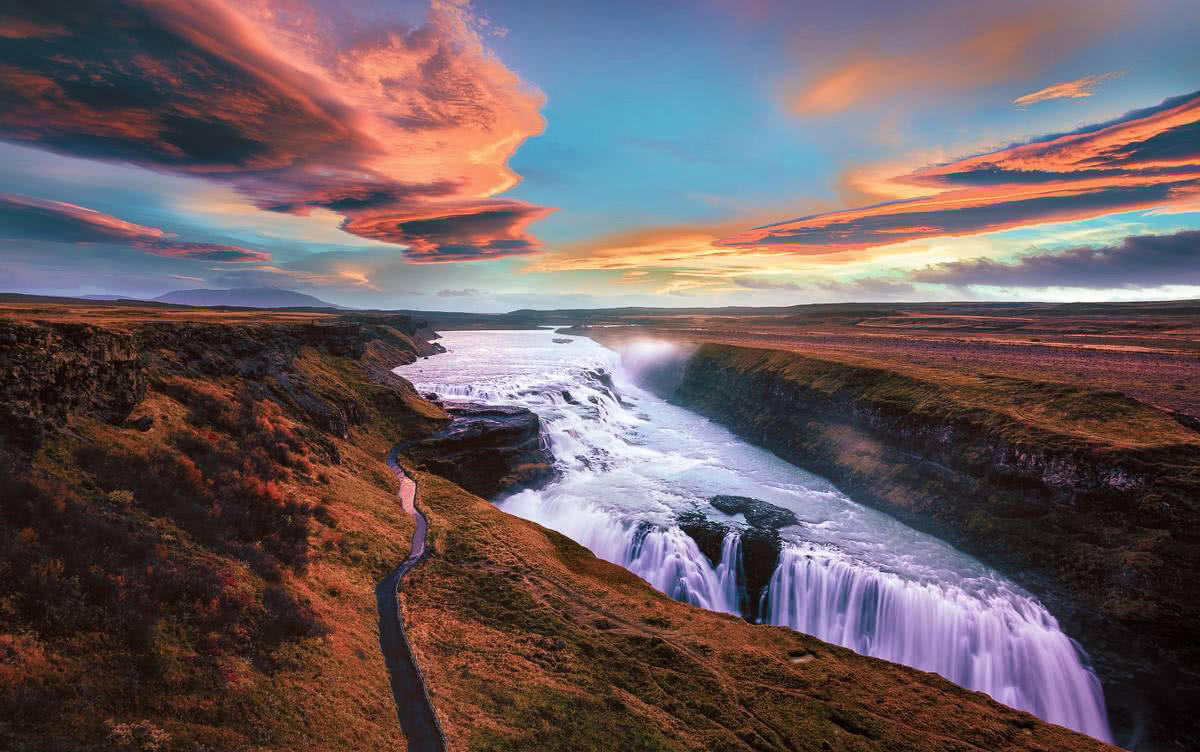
245	297
107	297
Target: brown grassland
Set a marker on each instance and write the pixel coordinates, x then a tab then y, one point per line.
1147	351
208	583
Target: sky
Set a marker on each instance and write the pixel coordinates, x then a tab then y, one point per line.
492	155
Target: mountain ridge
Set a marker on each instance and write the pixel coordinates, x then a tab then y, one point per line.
244	297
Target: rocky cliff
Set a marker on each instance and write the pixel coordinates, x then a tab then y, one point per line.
50	370
760	541
1104	532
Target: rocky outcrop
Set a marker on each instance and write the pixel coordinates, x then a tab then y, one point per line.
487	449
760	541
1105	536
758	513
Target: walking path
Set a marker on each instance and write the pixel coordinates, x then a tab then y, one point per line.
413	706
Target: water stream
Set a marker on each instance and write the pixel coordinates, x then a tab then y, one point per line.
848	574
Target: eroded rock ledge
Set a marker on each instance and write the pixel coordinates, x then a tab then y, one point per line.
487	449
52	370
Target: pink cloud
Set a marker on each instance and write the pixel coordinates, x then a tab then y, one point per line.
295	110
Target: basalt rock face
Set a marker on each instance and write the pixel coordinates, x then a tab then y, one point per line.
487	449
1106	538
761	543
48	372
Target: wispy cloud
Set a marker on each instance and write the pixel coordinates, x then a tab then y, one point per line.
996	46
26	218
1077	89
1145	159
678	245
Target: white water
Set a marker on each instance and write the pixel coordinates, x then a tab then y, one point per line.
848	575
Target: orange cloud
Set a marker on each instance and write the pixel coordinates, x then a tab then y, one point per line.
1077	89
441	232
1003	48
292	109
658	246
1146	159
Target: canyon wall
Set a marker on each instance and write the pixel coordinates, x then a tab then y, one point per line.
1105	534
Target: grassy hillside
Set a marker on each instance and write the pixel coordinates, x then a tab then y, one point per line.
1053	414
208	582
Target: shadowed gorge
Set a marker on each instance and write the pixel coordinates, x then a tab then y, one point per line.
1017	493
635	485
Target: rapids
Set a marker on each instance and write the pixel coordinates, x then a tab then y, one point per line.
848	574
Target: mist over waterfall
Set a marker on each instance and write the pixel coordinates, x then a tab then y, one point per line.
630	464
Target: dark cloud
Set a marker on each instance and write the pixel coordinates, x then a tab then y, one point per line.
25	218
350	198
1139	261
875	287
389	126
227	254
758	283
171	85
447	232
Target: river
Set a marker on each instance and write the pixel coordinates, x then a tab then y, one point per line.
848	574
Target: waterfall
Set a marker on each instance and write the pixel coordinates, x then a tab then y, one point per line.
850	575
729	573
665	557
1006	645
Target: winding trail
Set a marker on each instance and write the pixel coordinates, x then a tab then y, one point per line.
413	705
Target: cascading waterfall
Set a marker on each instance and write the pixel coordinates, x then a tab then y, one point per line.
1006	645
729	572
849	575
663	556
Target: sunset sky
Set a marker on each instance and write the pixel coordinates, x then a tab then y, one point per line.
500	155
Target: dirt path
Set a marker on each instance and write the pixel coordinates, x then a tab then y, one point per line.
413	706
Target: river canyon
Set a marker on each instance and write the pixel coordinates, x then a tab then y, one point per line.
636	475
